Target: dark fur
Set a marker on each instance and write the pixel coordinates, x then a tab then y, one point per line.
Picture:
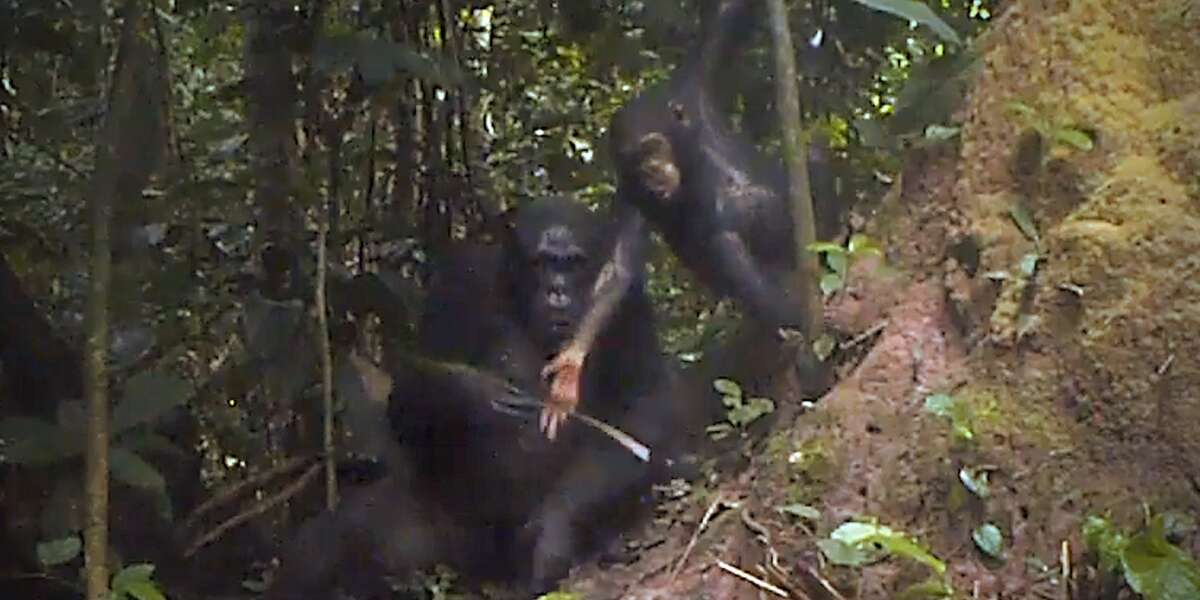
482	490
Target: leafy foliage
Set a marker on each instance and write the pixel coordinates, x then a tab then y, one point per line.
135	582
1151	565
918	12
741	411
837	259
956	410
858	543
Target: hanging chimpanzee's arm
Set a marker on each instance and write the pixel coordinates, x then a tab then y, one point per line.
761	293
619	273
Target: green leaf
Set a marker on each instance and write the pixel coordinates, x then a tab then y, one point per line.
719	431
58	552
1029	264
825	247
841	553
861	244
1106	541
135	580
34	442
958	412
1023	110
830	283
989	540
838	262
1024	222
975	480
1158	570
131	574
147	397
866	537
145	590
1074	137
802	511
129	468
727	387
915	11
941	405
940	133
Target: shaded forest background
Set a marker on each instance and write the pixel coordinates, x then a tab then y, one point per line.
396	127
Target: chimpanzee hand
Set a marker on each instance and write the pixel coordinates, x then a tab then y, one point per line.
563	372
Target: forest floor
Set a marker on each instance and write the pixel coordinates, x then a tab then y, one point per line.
698	542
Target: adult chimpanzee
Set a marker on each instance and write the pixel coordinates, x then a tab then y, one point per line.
681	169
483	491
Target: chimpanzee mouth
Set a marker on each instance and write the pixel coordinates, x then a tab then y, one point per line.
562	325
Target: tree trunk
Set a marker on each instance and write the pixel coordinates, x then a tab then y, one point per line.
795	154
106	181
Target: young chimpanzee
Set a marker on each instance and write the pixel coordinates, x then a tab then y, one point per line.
480	489
681	169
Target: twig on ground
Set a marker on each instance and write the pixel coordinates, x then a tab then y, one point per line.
759	583
708	515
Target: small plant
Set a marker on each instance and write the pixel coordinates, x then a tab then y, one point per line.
741	411
37	443
1149	563
858	543
135	582
1062	136
956	410
837	259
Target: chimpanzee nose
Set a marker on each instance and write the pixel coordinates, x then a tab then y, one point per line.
558	300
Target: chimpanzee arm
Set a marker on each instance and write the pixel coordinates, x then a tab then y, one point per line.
761	298
612	285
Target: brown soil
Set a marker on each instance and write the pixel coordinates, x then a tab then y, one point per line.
1081	378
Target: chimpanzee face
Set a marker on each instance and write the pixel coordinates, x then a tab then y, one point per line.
561	290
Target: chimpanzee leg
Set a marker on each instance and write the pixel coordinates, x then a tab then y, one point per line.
381	527
599	493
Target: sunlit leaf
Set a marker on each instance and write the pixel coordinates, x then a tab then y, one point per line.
975	480
1029	264
939	404
867	537
831	283
727	387
843	554
819	247
989	540
861	244
838	263
1073	137
941	133
915	11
